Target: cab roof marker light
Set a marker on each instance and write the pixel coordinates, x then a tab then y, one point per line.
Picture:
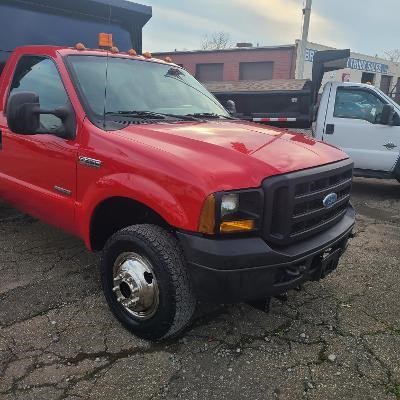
114	50
132	52
168	59
147	54
106	40
80	46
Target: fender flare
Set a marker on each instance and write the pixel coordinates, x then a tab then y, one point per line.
135	187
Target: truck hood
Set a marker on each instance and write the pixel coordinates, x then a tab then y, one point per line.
242	147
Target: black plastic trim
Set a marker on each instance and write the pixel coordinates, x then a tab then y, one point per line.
370	173
242	269
281	215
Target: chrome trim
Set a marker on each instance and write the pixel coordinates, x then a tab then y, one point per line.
90	162
135	285
63	191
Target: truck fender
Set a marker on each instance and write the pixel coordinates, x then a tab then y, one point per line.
134	187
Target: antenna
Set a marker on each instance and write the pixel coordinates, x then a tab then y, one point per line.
106	78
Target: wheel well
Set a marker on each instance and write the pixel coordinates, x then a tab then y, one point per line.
117	213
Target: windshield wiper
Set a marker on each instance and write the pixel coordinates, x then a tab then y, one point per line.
152	114
208	115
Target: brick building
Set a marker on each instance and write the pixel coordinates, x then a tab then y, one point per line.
238	63
247	63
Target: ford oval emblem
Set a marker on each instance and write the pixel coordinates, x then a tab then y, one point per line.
330	200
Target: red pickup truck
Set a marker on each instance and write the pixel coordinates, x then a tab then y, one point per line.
184	201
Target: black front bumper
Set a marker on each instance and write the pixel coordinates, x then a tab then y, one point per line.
245	269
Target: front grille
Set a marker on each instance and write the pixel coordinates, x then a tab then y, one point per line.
294	206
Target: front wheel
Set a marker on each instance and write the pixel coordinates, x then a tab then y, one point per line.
146	283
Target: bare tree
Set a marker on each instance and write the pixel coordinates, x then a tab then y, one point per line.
393	55
216	41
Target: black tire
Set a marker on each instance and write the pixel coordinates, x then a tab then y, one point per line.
177	302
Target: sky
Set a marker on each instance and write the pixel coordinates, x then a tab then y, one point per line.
365	26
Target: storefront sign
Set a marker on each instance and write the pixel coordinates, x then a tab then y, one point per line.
354	63
369	66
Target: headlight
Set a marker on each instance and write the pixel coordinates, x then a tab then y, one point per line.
231	212
229	204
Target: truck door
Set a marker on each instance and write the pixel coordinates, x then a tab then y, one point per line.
38	172
353	124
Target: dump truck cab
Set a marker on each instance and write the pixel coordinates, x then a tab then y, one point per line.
135	157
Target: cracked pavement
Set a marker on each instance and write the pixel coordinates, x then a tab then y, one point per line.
334	339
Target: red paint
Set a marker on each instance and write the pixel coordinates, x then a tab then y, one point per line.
171	168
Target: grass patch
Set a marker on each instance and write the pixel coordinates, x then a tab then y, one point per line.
396	391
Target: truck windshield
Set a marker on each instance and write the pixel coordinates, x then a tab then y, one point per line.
140	88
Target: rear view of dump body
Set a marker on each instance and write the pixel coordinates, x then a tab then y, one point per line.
289	102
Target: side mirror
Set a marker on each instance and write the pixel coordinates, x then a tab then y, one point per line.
22	113
231	107
387	116
23	116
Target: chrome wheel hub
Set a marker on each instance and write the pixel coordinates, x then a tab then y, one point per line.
135	285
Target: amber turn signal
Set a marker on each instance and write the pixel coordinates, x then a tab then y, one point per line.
245	225
207	216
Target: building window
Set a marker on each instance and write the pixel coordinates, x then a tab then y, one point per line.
256	71
386	83
368	77
209	72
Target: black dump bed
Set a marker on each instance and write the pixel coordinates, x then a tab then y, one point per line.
292	99
67	22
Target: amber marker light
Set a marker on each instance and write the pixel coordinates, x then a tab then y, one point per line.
106	40
114	50
207	216
237	226
80	46
168	59
147	54
132	52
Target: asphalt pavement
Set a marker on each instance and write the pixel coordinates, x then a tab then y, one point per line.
334	339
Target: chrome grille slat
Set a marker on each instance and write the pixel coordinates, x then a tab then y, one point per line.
320	211
336	217
323	192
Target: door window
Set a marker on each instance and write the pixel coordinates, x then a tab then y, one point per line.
358	104
40	75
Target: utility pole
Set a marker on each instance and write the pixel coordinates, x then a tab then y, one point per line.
304	39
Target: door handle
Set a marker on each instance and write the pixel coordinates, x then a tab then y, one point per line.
329	129
390	145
